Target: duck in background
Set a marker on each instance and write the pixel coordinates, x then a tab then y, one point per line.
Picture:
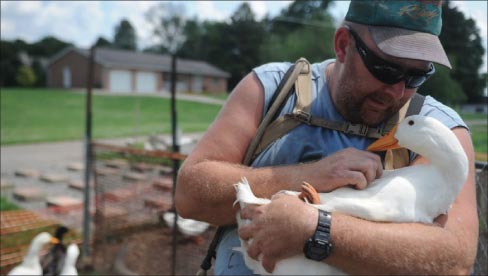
416	193
31	264
69	266
54	259
191	229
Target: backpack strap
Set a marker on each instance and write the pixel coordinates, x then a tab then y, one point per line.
399	158
299	72
301	66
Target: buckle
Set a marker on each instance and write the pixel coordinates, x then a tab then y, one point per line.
302	116
357	129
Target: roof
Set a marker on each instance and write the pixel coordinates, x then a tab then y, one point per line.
145	61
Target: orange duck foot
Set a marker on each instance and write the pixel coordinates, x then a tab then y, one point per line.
198	240
309	193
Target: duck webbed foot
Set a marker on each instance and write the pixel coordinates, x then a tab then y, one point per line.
309	194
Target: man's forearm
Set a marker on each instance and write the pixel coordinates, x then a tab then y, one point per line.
363	247
205	190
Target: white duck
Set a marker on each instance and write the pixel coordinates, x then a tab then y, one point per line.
69	266
188	227
411	194
31	264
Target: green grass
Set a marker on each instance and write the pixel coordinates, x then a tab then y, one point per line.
6	205
39	115
479	134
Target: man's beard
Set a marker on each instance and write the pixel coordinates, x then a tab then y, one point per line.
351	104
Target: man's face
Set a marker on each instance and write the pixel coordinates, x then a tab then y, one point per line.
362	98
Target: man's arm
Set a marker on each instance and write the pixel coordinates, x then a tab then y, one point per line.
205	188
364	247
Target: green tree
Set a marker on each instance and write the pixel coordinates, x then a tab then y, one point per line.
168	22
304	29
46	47
39	72
103	42
461	39
9	63
26	76
299	13
443	87
125	36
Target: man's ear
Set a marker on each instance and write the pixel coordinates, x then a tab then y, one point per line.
342	39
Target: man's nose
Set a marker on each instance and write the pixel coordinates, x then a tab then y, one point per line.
397	90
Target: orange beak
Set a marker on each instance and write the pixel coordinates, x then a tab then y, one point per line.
54	240
387	142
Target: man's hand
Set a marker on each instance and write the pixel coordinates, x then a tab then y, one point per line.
350	166
278	230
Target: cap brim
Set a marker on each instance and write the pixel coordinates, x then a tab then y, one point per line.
409	44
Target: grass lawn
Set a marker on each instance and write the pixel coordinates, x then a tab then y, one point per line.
38	115
6	205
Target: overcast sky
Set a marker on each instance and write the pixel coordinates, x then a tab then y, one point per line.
82	22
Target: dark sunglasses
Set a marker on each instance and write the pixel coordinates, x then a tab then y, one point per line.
388	72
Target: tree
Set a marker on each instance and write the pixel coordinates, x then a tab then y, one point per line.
9	63
461	39
125	36
168	22
103	42
299	13
46	47
39	72
26	76
294	33
443	87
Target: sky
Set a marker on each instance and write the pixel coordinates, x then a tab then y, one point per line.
82	22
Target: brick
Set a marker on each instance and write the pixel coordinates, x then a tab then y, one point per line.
117	163
132	176
75	167
142	167
63	201
119	194
54	178
29	194
79	184
165	184
106	171
161	203
27	173
4	184
165	170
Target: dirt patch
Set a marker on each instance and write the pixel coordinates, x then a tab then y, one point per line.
150	251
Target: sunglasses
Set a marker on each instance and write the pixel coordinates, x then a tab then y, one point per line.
388	72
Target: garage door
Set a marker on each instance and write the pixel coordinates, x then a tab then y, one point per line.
120	81
146	82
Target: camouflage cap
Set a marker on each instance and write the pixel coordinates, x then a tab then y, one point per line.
405	29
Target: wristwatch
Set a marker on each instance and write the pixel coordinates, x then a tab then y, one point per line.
319	247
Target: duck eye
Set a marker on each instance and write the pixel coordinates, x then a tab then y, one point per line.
411	123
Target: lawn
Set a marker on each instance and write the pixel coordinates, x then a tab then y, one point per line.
38	115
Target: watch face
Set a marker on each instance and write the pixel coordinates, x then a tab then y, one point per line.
317	250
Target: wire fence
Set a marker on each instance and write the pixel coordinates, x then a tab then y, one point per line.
481	264
133	216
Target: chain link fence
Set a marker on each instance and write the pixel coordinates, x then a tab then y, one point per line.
134	199
481	264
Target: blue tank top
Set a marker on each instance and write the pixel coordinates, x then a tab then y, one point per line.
307	143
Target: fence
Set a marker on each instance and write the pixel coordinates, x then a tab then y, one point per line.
481	264
133	207
134	216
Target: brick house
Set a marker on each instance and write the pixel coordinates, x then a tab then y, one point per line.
122	71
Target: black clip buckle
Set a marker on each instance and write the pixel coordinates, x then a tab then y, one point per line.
357	129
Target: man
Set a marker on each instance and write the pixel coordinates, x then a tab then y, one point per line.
384	51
